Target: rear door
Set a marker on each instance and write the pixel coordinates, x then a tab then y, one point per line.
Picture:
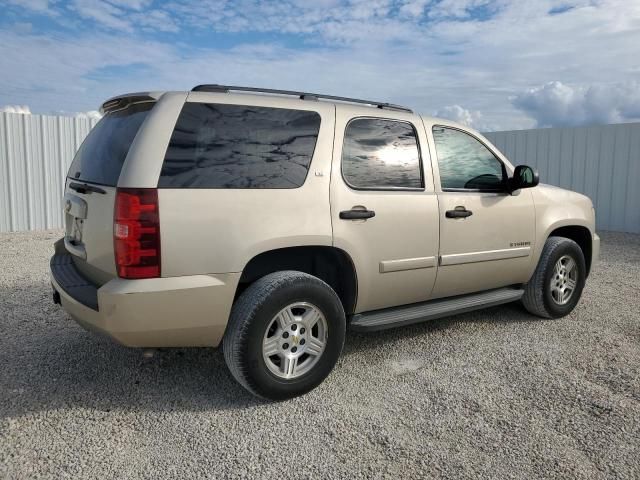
383	206
90	190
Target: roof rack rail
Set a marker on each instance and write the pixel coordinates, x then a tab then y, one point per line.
302	95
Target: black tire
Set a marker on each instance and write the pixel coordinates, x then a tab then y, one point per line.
253	312
537	298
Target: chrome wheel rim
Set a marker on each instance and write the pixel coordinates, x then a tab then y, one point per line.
295	340
564	280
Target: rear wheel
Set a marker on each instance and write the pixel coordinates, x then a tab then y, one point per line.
285	334
556	285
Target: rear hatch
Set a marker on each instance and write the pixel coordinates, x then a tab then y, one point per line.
90	190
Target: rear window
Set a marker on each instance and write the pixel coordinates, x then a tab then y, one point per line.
239	146
102	154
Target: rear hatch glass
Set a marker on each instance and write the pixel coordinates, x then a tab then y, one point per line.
101	156
89	211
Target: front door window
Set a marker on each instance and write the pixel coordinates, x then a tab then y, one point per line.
466	164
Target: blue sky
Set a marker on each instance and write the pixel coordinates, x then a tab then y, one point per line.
492	64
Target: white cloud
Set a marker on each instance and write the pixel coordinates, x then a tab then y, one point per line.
40	6
400	51
104	13
91	115
157	20
132	4
461	8
124	15
414	8
458	114
54	73
24	109
557	104
470	118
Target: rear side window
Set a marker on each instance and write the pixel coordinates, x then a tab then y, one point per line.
381	154
102	154
239	146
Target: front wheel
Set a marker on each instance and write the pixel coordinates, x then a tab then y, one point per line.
285	334
556	285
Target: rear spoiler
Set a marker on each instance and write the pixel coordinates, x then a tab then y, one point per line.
123	101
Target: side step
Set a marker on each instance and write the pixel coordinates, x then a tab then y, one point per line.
420	312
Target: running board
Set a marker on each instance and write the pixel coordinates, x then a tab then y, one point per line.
421	312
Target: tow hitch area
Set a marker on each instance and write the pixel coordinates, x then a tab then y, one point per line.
56	296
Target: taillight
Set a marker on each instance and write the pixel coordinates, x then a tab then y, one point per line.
136	233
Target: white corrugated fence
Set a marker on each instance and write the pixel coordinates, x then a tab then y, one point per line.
602	162
35	154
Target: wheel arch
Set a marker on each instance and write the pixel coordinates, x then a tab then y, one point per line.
330	264
579	234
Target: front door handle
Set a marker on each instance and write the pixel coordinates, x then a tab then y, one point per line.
458	212
355	214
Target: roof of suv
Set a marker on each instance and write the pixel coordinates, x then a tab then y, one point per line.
359	105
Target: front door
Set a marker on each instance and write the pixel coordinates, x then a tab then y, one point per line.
383	207
486	234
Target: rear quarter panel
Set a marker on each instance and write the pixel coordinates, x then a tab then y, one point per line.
221	230
145	157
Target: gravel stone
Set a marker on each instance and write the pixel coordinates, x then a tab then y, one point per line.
490	394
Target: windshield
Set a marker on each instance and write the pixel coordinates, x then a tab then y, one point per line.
102	154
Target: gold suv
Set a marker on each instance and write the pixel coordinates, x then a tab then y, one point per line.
269	221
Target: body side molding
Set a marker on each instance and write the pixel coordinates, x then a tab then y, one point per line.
485	256
407	264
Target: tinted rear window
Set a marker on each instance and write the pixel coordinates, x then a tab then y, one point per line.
102	154
381	154
239	146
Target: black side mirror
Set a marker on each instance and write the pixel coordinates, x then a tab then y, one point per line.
523	177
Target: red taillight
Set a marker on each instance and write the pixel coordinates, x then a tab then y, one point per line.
136	233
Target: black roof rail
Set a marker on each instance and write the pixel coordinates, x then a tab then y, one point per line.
302	95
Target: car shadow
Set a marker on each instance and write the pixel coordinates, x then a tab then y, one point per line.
49	362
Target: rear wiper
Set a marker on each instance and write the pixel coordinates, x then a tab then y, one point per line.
85	188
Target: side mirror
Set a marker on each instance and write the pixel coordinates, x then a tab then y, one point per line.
523	177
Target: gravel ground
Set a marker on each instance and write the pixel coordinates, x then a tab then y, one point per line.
491	394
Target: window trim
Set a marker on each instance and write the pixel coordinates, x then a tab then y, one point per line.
462	189
384	189
191	187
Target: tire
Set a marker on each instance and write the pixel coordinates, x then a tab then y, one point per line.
540	297
263	309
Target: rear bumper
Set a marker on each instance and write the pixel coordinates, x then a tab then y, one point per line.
156	312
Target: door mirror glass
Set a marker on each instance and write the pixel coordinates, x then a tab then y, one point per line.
523	177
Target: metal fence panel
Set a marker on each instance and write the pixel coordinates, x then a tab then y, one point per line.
35	154
603	162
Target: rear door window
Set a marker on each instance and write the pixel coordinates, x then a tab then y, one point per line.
381	154
102	154
239	146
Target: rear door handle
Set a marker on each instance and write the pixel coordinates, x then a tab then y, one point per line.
459	212
357	214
